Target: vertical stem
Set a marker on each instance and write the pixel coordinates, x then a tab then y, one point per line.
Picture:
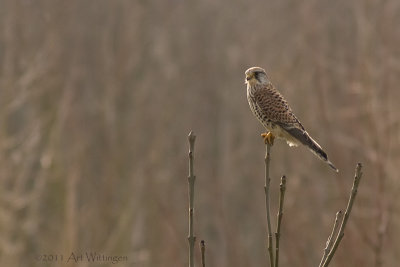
282	188
267	204
191	180
203	252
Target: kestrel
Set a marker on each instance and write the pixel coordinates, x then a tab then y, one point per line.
274	113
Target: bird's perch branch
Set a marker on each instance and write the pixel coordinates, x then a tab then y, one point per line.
267	160
282	190
331	249
191	180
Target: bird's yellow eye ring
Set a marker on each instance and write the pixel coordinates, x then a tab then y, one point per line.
248	78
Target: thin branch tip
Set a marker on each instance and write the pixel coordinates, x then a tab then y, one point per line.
191	136
283	180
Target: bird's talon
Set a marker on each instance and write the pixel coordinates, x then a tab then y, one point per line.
268	138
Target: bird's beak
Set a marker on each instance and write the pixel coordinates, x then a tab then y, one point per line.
248	78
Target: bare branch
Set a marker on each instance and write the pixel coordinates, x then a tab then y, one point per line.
203	253
329	243
267	204
191	180
357	178
282	188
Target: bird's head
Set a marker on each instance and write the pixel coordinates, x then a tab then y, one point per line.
256	75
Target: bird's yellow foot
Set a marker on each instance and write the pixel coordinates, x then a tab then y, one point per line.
268	138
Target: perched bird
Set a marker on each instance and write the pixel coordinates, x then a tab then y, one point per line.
274	113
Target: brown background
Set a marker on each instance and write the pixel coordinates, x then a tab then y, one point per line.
97	99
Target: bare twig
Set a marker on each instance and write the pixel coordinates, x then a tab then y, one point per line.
191	180
282	188
266	189
329	243
357	178
203	253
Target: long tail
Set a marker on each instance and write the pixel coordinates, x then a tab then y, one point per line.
311	144
317	150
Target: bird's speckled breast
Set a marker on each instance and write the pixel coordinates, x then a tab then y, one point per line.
260	115
275	129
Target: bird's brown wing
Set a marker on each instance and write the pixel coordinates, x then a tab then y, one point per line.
274	107
305	139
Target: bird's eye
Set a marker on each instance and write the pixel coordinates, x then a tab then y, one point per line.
248	78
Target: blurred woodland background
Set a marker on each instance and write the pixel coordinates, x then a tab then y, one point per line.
97	99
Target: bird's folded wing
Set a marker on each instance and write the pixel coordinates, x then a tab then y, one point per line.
303	137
